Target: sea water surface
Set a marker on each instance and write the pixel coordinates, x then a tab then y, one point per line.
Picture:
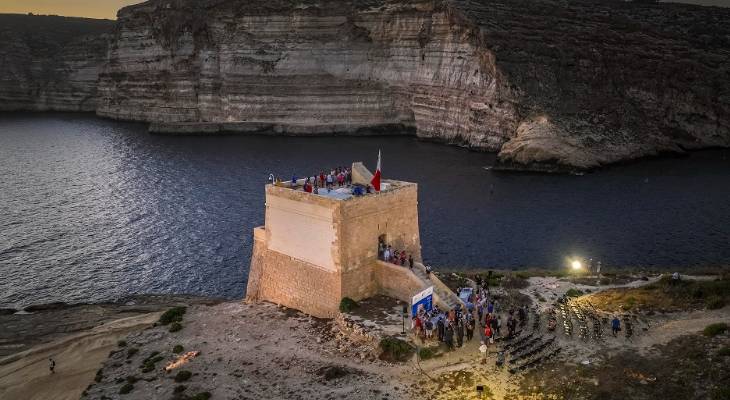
94	210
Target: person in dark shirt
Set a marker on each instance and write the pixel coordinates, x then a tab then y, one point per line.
449	336
469	329
440	328
615	325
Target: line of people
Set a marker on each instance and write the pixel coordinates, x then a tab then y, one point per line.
399	257
457	326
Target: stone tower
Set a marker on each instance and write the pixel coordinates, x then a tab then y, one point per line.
315	249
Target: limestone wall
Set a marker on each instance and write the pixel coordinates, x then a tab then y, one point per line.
396	281
363	219
285	280
302	229
393	213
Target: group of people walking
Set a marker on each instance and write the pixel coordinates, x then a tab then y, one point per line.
399	257
453	327
457	326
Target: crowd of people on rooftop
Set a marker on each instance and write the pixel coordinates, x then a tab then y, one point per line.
335	178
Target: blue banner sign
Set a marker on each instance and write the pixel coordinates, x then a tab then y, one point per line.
422	300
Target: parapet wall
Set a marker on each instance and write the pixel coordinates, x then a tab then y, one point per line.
396	281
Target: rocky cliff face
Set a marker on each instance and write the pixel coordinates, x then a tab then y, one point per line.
600	81
50	63
313	67
578	83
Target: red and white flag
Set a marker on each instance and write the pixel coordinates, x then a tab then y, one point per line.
376	178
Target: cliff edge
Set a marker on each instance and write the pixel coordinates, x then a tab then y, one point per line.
577	83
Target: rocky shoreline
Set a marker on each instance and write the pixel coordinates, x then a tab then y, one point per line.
42	323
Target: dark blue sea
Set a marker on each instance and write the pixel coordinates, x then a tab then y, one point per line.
94	210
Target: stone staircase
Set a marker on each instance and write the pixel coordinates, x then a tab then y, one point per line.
441	292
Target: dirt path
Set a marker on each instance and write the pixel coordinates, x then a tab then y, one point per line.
681	324
26	376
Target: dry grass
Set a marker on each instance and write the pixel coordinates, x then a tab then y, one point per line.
666	296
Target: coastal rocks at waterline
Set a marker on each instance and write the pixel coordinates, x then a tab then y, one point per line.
574	83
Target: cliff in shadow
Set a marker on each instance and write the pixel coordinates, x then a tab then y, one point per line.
571	83
51	63
601	81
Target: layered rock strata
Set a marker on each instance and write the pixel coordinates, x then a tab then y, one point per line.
578	83
51	63
604	81
313	67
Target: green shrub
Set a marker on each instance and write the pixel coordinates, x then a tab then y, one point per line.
347	304
178	349
179	389
132	351
715	329
425	353
721	393
148	367
128	387
715	303
149	363
201	396
132	379
630	303
573	292
394	349
174	314
487	393
183	376
122	343
175	326
724	352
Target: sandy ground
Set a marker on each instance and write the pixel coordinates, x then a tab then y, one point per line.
261	351
257	351
26	375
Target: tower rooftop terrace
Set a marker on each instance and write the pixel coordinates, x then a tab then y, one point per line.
358	185
338	193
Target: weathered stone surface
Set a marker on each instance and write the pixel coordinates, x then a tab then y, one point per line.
319	67
578	83
50	63
314	250
601	81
